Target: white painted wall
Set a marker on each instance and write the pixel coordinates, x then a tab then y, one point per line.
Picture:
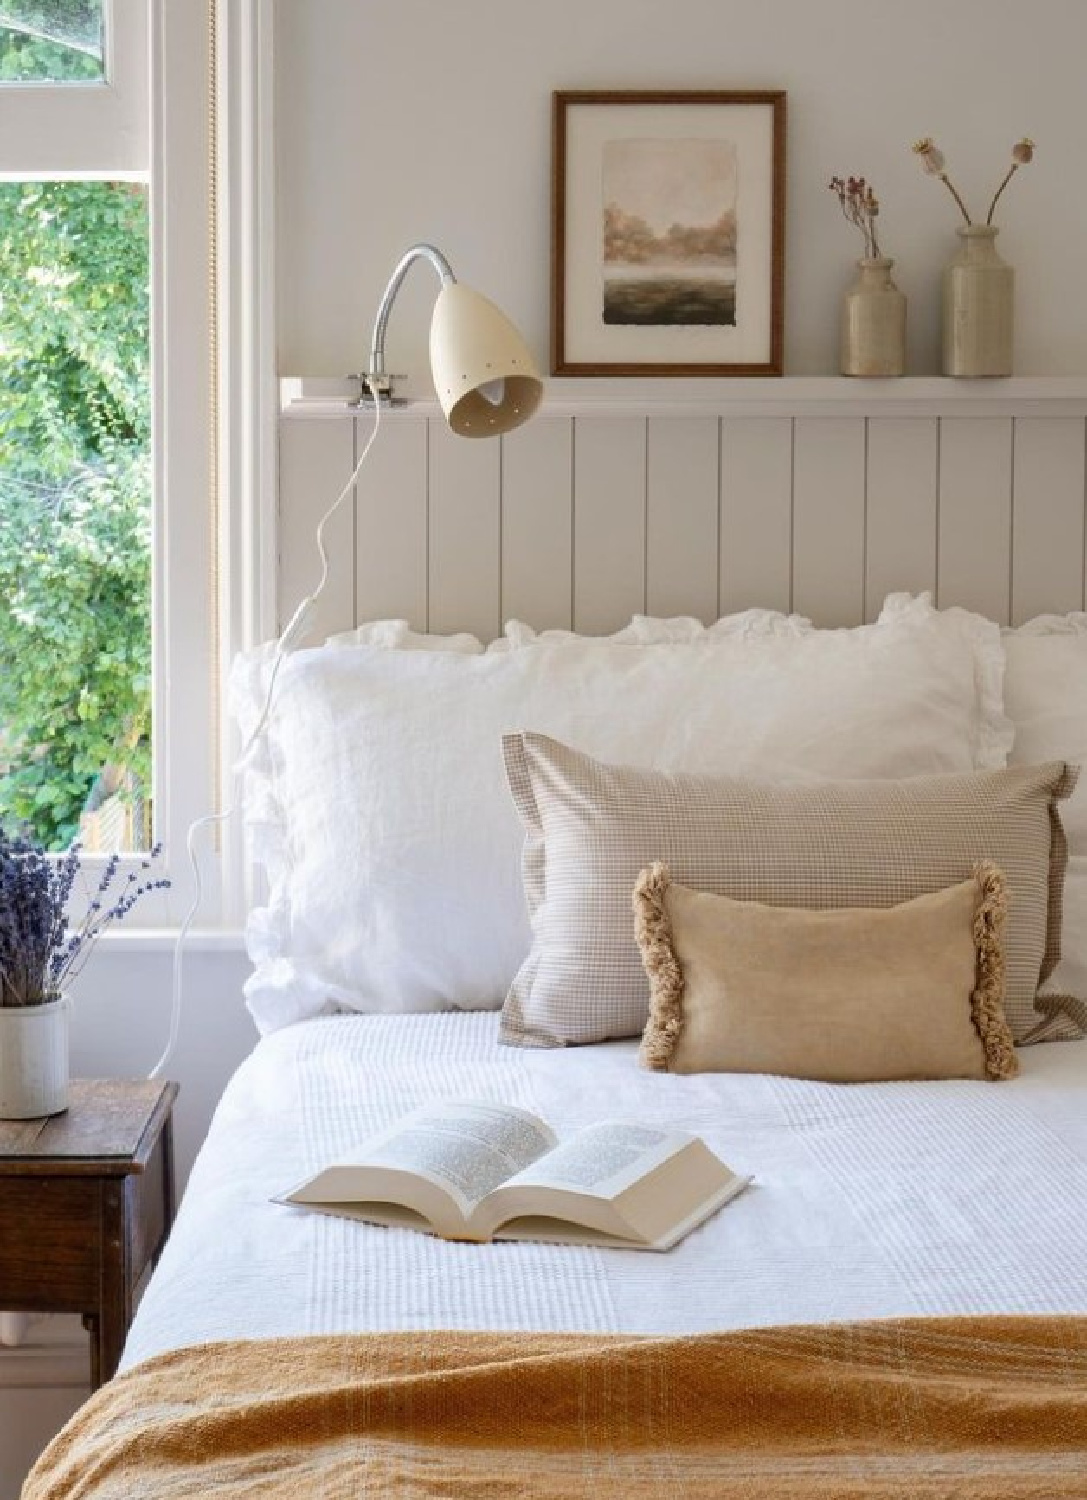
418	120
120	1022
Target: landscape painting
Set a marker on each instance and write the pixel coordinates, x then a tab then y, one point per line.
669	232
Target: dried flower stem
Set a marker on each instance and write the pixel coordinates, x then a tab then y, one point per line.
996	196
932	162
946	180
860	207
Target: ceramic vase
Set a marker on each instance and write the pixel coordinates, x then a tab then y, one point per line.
979	288
873	331
33	1060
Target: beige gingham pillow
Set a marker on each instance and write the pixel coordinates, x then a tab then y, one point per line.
591	828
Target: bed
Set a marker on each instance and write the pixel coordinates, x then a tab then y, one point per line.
895	1307
879	1200
938	1201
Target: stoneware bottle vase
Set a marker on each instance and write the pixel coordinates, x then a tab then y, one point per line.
873	332
979	299
33	1060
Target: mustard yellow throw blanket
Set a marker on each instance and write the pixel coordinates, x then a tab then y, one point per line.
964	1408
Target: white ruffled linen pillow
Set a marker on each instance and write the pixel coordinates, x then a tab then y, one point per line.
643	630
377	800
1046	698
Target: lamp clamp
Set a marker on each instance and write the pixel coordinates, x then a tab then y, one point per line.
377	384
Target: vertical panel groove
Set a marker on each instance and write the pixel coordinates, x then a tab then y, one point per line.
426	529
645	522
316	460
828	489
535	547
900	508
1011	523
610	481
355	520
792	515
465	562
501	533
864	525
573	517
1048	536
722	530
756	517
390	505
681	518
975	503
939	493
720	502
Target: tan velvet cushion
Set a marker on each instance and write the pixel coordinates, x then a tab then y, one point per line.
850	996
591	827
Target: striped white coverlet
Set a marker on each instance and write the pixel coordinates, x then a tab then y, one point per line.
870	1201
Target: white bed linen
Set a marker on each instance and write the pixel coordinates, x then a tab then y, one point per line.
869	1200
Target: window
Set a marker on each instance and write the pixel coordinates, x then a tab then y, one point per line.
52	41
75	512
75	450
104	428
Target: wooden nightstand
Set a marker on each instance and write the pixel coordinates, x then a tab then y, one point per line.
86	1202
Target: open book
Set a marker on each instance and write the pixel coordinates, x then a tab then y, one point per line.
468	1170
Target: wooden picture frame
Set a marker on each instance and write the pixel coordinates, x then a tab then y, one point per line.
646	277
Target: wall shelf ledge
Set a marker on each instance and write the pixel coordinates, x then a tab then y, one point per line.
803	395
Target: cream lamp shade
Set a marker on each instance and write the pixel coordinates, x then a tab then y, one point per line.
483	373
485	378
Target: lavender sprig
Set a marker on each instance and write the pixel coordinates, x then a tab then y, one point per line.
41	951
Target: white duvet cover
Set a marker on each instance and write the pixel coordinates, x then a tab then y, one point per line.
869	1201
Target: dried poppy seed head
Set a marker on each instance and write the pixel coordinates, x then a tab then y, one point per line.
932	158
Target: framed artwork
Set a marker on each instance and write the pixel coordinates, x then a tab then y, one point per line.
668	233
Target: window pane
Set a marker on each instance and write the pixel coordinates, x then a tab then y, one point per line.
75	674
51	41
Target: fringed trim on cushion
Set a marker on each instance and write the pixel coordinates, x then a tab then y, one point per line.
653	930
987	1001
1063	1015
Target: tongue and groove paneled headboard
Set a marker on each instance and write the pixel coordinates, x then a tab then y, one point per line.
818	496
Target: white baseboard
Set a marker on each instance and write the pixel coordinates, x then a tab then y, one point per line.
54	1352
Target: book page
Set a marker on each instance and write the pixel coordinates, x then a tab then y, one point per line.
603	1159
465	1148
613	1184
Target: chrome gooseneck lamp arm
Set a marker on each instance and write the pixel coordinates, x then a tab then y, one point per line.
484	376
376	381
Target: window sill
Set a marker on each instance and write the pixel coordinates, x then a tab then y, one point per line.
163	939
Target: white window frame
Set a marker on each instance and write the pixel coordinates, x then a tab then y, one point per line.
248	389
85	127
151	120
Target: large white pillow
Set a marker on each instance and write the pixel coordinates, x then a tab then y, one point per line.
378	805
1046	699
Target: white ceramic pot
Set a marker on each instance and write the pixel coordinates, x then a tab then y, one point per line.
979	293
873	327
33	1060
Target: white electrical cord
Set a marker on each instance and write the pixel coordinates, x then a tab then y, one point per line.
294	631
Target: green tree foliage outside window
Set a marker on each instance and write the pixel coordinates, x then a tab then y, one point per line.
74	498
58	41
